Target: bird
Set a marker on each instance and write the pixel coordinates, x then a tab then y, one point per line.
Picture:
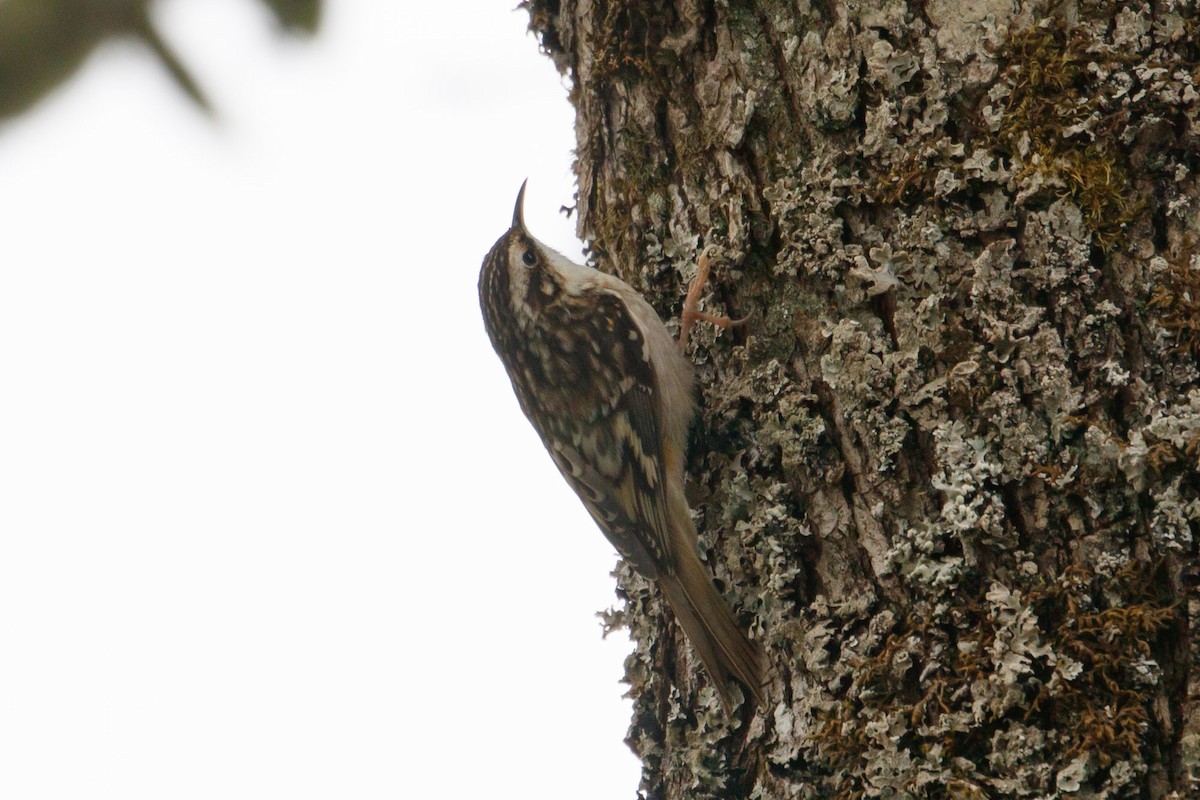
611	395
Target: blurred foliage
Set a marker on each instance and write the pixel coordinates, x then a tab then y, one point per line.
297	15
44	42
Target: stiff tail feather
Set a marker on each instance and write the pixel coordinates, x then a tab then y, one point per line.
724	649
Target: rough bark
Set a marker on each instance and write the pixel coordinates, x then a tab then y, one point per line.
948	471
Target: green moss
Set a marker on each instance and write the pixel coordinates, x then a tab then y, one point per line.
628	38
1051	92
644	162
1086	638
1046	129
1109	715
1175	301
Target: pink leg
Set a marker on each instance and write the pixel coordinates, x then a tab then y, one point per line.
691	303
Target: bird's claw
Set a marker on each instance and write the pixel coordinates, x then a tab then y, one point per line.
691	303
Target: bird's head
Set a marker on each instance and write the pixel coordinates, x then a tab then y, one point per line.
520	275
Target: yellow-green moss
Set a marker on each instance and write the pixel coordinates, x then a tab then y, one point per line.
1175	299
627	37
1051	91
1095	633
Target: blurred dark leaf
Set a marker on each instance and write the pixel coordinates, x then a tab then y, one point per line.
44	42
297	15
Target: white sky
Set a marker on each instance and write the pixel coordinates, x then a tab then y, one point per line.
271	522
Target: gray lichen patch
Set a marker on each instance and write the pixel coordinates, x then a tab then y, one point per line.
989	681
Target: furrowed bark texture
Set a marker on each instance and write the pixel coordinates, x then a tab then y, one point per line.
947	471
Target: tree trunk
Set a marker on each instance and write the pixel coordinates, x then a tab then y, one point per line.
947	470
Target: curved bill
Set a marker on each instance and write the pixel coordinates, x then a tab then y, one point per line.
518	222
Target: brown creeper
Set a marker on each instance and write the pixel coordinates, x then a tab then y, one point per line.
599	376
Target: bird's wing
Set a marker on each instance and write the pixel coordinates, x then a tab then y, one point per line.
611	454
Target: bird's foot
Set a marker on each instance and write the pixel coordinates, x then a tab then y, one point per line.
691	303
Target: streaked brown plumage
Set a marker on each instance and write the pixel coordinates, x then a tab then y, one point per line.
601	380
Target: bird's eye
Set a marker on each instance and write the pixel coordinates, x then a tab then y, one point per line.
529	257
